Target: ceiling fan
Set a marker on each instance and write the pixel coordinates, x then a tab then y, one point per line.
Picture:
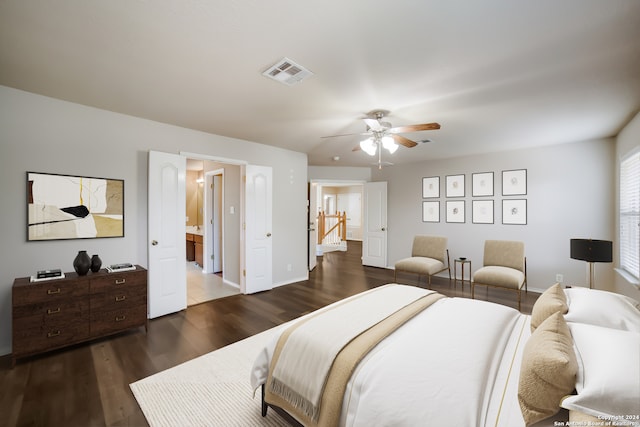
382	135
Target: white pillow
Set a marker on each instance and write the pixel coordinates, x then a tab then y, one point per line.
602	308
608	380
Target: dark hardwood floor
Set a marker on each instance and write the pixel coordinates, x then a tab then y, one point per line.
88	385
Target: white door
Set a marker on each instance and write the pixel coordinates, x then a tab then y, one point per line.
313	219
167	274
258	269
374	239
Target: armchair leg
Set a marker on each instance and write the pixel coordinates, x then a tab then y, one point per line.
473	288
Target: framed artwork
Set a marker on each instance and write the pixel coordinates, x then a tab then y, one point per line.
482	212
430	187
73	207
514	182
482	184
514	211
455	186
430	211
455	211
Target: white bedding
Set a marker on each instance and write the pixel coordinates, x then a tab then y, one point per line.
456	363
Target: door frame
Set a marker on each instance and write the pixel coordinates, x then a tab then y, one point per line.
209	218
315	186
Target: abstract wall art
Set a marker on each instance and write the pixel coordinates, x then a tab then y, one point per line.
73	207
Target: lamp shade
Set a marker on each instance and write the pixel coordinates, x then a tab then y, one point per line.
592	250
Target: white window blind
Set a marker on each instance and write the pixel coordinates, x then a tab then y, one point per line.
630	214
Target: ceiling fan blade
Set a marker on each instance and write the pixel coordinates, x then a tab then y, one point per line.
415	128
399	139
346	134
374	125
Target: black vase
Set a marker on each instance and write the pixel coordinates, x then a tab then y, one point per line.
96	263
82	263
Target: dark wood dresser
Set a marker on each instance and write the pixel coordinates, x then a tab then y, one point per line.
56	313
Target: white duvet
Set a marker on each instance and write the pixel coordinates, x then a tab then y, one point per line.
457	363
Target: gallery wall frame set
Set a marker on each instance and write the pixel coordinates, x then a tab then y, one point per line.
514	211
63	207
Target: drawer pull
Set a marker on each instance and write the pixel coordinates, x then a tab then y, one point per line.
53	334
120	281
121	298
120	318
52	292
57	310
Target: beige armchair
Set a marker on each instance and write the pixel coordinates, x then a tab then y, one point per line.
504	266
429	256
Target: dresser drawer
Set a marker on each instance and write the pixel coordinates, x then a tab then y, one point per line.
107	322
49	337
50	313
50	291
113	281
129	296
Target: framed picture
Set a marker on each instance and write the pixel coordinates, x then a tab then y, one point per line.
430	187
73	207
482	212
455	211
455	186
514	211
430	211
482	184
514	182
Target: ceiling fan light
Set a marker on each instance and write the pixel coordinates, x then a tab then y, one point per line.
368	146
389	144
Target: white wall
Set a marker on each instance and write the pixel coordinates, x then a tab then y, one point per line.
570	194
43	134
628	140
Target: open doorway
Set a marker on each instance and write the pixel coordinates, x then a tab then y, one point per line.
205	207
329	201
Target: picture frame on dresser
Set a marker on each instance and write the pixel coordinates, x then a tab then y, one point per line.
61	207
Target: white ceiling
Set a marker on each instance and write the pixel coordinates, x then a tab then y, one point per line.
496	74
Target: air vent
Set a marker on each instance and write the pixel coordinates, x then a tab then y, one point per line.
287	72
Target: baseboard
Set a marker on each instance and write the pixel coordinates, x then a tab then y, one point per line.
289	282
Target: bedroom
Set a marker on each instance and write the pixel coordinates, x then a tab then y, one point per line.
571	190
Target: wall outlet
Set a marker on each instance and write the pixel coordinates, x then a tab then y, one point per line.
559	278
288	267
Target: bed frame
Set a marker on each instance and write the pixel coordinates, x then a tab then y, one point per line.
284	414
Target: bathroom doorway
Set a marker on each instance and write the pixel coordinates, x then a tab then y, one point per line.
205	198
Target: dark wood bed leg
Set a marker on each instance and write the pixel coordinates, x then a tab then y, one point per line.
264	405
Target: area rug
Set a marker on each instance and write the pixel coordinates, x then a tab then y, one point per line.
210	390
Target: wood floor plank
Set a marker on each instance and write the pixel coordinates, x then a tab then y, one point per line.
88	384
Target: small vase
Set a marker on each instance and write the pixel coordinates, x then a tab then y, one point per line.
96	263
82	263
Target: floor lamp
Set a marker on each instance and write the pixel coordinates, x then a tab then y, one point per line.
592	251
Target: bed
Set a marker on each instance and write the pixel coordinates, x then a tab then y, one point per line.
454	361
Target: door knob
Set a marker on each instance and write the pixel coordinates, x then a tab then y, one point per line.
154	242
384	229
268	234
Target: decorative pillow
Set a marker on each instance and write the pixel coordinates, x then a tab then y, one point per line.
602	308
551	301
608	380
548	371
